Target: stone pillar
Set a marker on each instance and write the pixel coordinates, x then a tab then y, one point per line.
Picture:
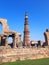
14	41
6	41
46	35
0	40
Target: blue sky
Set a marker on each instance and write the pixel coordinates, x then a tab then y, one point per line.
38	11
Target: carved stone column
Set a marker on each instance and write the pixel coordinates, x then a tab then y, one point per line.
14	41
6	41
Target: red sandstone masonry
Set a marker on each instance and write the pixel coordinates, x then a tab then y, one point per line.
23	54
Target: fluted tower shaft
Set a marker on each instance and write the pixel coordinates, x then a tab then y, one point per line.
26	31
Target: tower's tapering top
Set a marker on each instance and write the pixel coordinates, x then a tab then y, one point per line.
26	15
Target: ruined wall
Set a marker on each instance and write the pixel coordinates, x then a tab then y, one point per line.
6	32
10	55
18	39
46	35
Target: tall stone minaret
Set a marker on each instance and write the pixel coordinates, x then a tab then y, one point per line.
26	31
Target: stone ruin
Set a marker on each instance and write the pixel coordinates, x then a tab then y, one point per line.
42	43
6	33
8	54
46	34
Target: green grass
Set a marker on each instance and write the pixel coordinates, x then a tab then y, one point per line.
44	61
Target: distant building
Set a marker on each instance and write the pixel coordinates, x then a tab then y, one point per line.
40	43
34	43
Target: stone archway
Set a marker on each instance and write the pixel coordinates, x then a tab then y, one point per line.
10	40
5	25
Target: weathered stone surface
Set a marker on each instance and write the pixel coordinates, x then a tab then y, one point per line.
46	35
10	54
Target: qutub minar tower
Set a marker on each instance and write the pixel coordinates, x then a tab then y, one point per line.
26	31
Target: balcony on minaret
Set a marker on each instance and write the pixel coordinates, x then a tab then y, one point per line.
26	15
26	18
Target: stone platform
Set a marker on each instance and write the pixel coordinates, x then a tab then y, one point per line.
8	54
